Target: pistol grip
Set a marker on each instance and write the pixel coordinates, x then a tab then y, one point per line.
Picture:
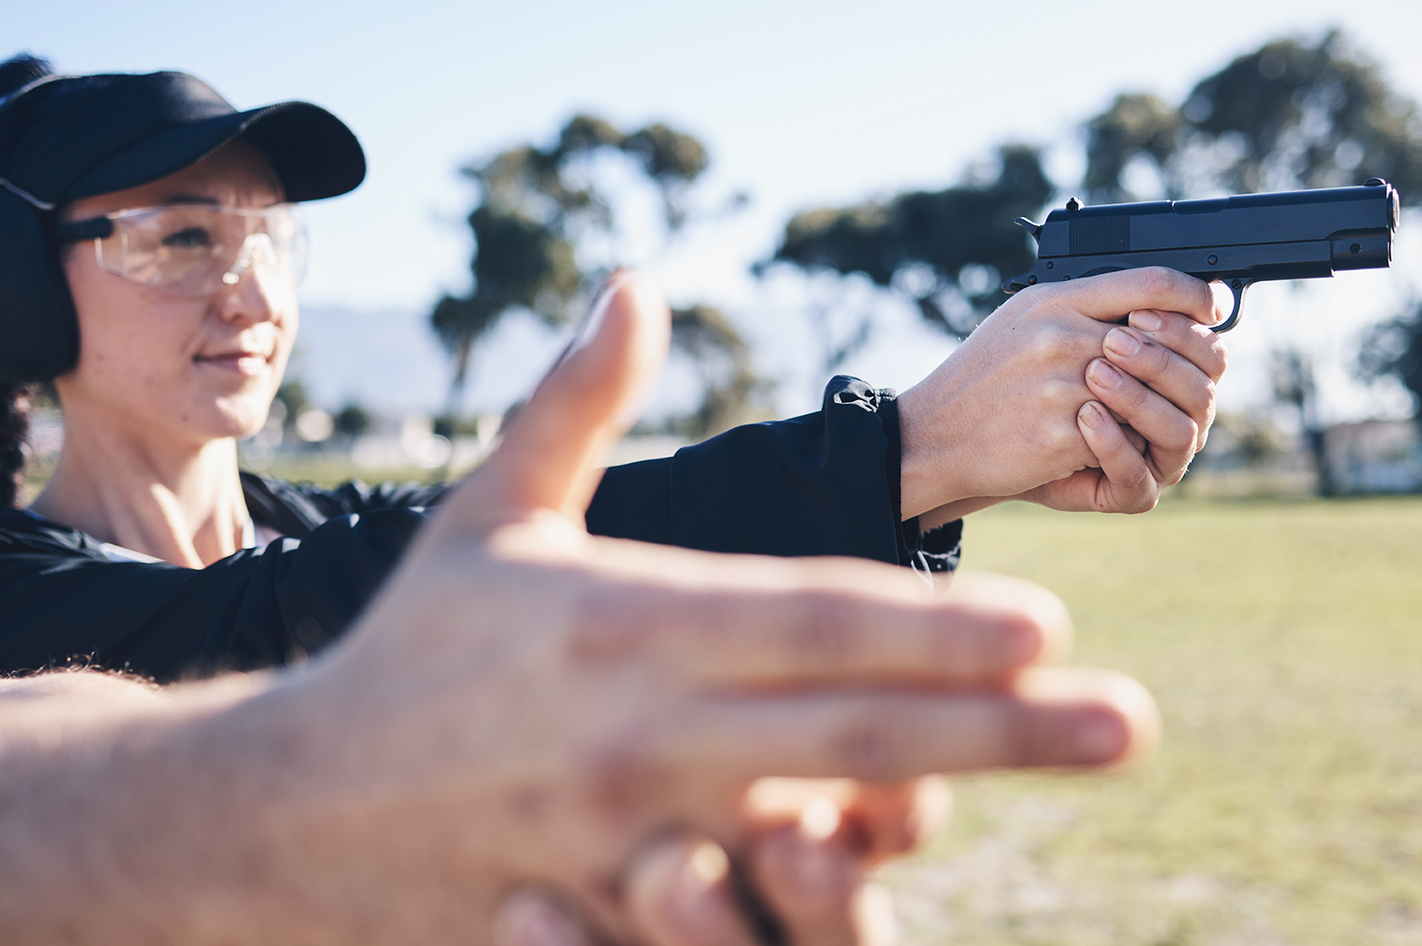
1237	287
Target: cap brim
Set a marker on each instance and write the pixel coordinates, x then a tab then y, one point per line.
312	151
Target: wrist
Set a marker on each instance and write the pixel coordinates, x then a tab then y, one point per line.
928	479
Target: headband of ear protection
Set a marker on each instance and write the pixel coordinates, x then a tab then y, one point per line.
67	137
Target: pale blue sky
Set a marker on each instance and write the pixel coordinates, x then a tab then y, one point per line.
801	103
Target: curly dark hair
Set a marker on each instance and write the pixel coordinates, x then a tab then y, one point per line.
15	402
15	399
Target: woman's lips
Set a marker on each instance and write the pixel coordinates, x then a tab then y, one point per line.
238	362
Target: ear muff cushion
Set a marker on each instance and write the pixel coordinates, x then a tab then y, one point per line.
39	335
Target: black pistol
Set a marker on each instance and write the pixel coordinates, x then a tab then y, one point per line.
1241	240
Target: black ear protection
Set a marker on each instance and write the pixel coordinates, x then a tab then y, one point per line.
39	331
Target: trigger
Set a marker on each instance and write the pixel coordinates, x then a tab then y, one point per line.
1237	287
1033	228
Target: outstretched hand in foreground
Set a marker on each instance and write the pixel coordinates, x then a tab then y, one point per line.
529	716
642	690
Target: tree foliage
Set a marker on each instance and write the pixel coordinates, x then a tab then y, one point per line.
1290	114
539	210
724	361
947	250
1394	349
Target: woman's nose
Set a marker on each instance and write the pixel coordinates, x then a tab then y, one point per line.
256	295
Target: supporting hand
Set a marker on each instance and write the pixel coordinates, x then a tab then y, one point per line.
1013	412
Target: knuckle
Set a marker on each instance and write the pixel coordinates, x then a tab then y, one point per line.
1177	438
1156	358
1053	391
1133	395
1048	337
824	631
1144	501
1221	356
869	745
1140	492
624	775
1156	280
1209	391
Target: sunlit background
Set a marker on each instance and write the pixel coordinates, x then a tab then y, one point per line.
799	104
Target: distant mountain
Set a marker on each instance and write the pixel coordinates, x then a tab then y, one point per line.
390	361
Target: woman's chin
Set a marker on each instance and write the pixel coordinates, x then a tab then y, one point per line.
238	418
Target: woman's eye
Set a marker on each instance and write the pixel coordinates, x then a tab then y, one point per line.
189	238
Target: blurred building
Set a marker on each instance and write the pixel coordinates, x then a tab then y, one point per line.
1375	456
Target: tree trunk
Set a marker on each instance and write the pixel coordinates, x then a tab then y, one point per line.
1318	447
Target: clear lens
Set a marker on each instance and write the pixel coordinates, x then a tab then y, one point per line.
198	249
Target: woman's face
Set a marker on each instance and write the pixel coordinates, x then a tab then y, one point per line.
186	370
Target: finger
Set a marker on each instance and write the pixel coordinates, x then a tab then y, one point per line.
1125	483
892	818
1110	297
761	622
1171	433
1171	375
679	893
812	841
811	882
532	918
1053	717
875	820
1203	348
550	450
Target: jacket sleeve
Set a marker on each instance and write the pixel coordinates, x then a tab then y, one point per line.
253	609
822	484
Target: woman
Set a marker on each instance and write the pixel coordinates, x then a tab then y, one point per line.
149	254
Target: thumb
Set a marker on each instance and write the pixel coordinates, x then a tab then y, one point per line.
548	455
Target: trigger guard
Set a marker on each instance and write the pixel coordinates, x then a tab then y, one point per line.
1237	287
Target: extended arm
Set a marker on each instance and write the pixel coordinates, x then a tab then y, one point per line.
443	755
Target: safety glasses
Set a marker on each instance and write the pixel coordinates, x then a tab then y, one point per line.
195	249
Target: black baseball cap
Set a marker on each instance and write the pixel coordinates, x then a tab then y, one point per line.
86	135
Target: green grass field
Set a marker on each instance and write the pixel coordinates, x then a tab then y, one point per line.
1283	640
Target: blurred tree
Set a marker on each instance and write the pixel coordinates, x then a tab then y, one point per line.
544	213
1290	114
1292	373
946	250
1137	126
723	359
293	399
352	420
1394	349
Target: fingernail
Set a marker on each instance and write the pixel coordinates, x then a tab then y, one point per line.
1146	321
597	308
1104	374
1091	415
820	819
1122	342
707	867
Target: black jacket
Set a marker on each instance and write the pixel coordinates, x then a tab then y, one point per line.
821	484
